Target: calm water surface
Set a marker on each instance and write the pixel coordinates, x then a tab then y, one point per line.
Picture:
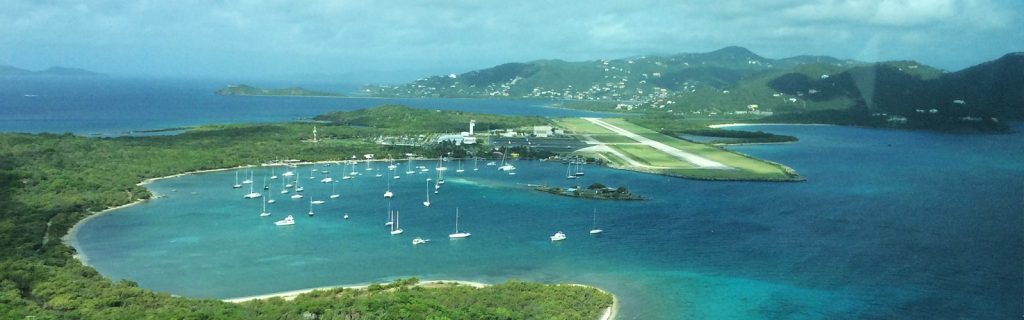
889	224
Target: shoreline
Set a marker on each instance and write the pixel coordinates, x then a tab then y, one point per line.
609	313
743	124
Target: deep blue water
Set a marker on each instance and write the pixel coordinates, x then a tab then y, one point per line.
889	224
114	106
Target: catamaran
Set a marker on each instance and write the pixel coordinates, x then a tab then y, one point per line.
287	221
395	228
387	193
457	234
252	194
504	165
593	228
248	181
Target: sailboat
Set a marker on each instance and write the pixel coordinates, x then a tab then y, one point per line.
312	169
270	196
297	187
409	169
390	216
476	162
460	170
252	194
273	176
395	228
419	240
265	185
248	181
289	172
427	203
368	165
284	186
311	207
568	172
334	195
579	167
287	221
387	193
265	213
236	186
593	228
457	234
391	164
504	165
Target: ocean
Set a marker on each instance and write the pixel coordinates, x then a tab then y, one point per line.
889	224
114	106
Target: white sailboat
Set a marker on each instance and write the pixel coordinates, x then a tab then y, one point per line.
311	207
334	195
396	228
579	167
409	169
505	166
285	185
270	196
391	164
236	185
273	175
460	170
391	217
264	213
287	221
427	202
593	228
457	234
419	240
289	172
387	193
248	181
476	162
568	172
252	194
327	180
297	187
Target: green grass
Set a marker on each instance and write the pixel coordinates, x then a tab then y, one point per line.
746	168
580	126
611	138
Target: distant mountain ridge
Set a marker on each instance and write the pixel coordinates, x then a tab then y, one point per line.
737	82
6	70
246	90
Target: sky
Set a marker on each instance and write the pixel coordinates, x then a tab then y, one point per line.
397	41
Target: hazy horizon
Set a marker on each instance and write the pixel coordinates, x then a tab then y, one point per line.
359	43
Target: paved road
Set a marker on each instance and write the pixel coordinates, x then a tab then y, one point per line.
696	160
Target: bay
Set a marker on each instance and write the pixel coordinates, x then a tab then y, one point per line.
889	224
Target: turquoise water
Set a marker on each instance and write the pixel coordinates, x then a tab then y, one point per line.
889	224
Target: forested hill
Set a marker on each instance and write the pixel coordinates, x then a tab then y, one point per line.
734	81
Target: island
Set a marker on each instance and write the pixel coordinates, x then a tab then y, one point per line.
246	90
6	70
596	191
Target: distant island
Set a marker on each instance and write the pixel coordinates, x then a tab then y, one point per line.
734	84
594	191
6	70
246	90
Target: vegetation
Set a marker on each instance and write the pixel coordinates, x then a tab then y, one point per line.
631	155
594	191
405	300
734	84
245	90
48	182
393	119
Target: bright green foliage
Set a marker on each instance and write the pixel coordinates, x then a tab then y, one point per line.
49	182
